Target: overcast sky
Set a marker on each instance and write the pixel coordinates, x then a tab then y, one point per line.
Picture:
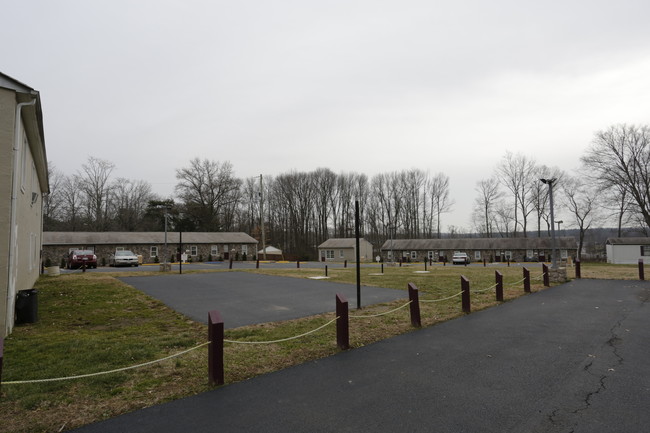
366	86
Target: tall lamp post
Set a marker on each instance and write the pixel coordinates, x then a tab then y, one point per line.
558	227
550	183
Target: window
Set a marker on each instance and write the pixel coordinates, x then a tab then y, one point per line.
341	254
645	250
431	256
529	254
225	248
508	255
563	254
477	255
194	251
153	252
329	254
244	249
414	255
214	250
119	248
390	254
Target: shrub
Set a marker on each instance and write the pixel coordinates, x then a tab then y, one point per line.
210	257
62	263
48	262
243	256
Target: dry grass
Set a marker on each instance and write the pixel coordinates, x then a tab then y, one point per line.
93	322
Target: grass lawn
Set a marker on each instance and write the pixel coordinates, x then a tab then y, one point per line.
93	322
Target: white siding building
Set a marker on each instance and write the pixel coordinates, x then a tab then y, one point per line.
627	251
23	182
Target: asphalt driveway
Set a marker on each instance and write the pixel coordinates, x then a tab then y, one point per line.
244	298
573	358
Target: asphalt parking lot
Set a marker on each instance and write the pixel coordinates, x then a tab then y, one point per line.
244	298
572	358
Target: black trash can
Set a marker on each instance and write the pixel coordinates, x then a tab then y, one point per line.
27	306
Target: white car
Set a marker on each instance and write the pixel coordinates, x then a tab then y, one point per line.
123	258
460	259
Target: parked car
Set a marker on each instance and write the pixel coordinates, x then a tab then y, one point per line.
123	258
460	259
77	258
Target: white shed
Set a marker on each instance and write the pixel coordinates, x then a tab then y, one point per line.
627	251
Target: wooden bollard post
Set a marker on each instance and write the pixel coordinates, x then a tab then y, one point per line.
546	275
400	262
325	270
257	264
382	267
484	263
499	280
641	271
342	322
215	348
298	264
464	283
345	264
526	280
230	264
578	275
425	264
414	306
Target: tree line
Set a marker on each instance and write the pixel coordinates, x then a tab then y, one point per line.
301	209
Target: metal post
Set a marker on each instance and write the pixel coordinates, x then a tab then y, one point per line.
357	224
382	268
342	322
215	348
262	218
499	280
464	283
325	270
641	272
526	280
414	306
578	274
550	183
180	250
546	276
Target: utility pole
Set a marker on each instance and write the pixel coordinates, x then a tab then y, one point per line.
262	218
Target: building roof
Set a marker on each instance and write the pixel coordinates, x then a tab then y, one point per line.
628	241
341	243
130	238
270	250
568	242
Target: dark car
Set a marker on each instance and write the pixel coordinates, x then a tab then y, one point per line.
77	258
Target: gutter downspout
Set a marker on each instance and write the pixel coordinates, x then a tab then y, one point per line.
13	227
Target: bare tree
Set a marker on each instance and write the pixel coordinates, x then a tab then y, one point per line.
619	157
441	202
71	198
94	183
581	200
516	174
53	201
489	194
208	189
129	200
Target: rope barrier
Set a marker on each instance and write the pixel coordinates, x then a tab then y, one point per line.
516	282
80	376
381	314
540	277
442	299
484	290
283	339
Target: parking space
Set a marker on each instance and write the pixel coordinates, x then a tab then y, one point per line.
245	298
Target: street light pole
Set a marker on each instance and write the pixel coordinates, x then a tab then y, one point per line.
550	183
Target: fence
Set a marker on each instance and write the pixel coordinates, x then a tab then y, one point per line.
216	338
